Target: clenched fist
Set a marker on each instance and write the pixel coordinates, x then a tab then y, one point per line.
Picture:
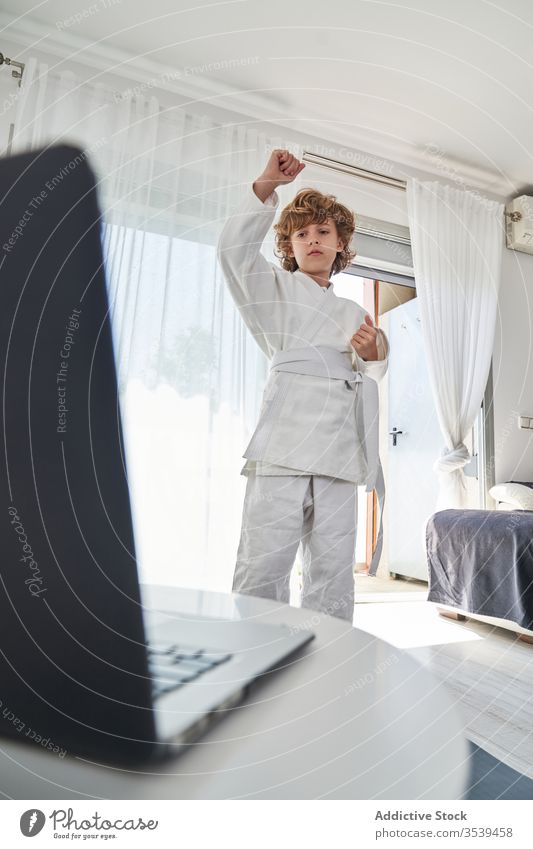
281	168
364	340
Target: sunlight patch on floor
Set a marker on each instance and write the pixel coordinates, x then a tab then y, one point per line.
410	624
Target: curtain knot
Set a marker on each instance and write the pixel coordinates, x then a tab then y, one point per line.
450	461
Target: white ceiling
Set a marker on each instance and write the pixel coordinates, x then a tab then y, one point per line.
421	81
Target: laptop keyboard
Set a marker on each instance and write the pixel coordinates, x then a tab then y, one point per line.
173	666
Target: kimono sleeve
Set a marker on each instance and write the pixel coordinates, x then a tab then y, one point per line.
250	277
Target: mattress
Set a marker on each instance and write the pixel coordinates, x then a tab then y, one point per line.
481	561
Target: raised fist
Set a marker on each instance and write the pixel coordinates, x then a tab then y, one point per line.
282	167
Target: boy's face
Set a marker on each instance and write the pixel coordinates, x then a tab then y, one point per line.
315	247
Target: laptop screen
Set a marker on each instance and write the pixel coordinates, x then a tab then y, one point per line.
72	656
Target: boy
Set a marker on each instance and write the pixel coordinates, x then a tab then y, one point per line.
308	452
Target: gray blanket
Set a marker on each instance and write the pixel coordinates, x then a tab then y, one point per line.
481	561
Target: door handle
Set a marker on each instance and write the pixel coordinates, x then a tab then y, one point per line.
395	433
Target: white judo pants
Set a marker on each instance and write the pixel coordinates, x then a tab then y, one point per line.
280	512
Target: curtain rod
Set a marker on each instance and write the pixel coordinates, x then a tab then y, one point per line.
353	170
18	67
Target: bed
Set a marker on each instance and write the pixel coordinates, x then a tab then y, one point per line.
481	566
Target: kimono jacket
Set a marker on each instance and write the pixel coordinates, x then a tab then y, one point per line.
308	423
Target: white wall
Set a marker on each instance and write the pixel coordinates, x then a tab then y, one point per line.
513	369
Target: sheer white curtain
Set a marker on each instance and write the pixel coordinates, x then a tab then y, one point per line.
190	375
456	239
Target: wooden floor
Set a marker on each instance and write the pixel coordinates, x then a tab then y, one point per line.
488	671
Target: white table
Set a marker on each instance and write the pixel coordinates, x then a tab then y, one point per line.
349	717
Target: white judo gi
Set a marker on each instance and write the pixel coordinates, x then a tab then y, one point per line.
308	451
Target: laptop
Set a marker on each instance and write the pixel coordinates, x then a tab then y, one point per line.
81	668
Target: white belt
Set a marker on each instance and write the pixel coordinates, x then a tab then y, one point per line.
324	361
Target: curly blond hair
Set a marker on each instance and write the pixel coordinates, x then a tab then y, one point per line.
310	206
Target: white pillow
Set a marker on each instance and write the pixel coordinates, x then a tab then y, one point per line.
518	495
